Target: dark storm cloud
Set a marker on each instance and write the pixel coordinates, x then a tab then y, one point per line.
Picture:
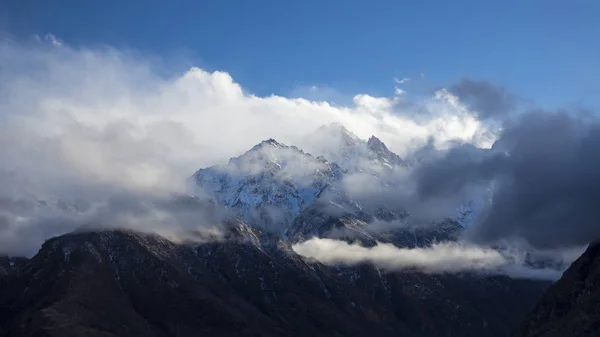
460	167
487	99
545	173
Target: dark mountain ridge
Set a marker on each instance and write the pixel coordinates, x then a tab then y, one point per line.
571	306
122	283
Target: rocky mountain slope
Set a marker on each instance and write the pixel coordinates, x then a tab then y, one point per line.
571	307
122	283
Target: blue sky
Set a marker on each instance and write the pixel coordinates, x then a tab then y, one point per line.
547	51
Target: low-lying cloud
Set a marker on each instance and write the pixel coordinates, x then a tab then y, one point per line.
448	257
26	223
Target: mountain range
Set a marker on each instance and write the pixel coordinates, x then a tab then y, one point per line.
249	281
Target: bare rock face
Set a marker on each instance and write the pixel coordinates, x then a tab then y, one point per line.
571	306
9	265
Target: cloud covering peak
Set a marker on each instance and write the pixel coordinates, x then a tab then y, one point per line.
84	125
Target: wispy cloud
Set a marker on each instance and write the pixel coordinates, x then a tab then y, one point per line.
449	257
53	40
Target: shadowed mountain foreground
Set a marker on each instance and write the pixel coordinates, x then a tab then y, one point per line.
127	284
571	307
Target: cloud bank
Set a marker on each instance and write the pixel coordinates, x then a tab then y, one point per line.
543	177
105	132
448	257
487	99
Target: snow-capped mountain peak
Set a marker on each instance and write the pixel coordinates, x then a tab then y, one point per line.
269	142
270	184
378	151
376	145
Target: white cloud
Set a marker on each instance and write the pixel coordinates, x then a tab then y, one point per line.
450	257
84	125
48	38
53	40
108	116
401	81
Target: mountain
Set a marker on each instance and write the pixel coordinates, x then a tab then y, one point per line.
270	184
279	187
121	283
571	306
291	192
9	265
128	284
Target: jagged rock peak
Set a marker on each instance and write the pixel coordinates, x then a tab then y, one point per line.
376	144
269	185
377	147
269	142
271	145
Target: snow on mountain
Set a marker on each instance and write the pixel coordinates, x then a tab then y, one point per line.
295	194
270	184
379	153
